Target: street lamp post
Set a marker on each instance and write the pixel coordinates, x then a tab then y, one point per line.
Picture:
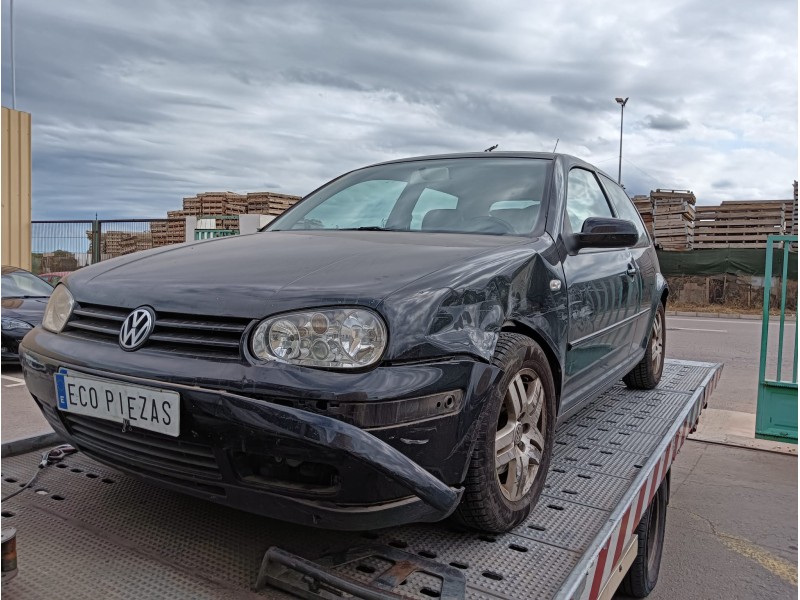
622	104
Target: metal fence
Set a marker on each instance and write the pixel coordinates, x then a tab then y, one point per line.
62	246
776	411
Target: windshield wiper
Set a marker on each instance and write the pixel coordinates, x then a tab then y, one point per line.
372	228
23	297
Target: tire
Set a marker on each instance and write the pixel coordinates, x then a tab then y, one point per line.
642	577
647	374
524	426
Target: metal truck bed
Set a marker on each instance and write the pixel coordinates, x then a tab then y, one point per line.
84	530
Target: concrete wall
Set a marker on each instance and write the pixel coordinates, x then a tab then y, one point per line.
16	194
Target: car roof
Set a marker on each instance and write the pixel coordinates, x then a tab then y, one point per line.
504	154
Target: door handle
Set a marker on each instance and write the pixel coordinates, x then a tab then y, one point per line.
631	270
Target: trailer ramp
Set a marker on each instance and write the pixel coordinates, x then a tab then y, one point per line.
84	530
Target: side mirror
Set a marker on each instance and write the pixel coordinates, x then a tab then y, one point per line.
601	232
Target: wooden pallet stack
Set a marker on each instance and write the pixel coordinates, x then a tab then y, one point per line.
118	243
644	204
217	205
279	203
269	203
192	206
168	232
740	223
258	203
673	219
176	226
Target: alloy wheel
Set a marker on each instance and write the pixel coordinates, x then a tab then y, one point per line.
657	343
520	438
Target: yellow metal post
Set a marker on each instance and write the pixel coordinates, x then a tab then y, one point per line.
16	192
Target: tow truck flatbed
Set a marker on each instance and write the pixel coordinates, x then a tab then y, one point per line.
84	530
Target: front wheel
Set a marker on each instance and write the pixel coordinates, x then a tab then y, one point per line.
647	374
515	440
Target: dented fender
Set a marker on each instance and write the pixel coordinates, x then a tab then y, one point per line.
463	308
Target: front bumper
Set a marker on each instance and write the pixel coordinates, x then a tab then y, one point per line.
10	346
239	421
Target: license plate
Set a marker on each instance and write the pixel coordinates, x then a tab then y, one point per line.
131	405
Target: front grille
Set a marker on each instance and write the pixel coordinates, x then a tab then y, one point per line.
192	335
145	451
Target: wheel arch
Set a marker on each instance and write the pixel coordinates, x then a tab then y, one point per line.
663	288
547	348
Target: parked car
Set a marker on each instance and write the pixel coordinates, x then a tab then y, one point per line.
54	277
24	298
399	346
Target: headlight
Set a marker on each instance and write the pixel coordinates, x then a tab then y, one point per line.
341	338
58	310
9	323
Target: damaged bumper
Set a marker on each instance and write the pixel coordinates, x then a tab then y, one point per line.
341	451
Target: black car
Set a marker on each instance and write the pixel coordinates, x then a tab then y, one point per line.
399	346
24	298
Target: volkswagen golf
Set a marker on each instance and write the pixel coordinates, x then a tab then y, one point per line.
399	346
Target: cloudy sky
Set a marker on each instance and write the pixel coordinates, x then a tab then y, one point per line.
137	104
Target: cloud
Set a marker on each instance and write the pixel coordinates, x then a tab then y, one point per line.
665	122
135	105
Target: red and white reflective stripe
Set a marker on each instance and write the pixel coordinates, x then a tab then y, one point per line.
611	552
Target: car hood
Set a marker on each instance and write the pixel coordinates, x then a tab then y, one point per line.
260	274
30	310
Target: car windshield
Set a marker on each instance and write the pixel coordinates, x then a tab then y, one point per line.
496	196
21	284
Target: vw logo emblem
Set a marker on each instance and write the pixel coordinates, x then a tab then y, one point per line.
136	328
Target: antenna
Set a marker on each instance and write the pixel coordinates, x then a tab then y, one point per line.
556	146
490	148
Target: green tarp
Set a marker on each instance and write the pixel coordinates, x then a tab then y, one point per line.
734	261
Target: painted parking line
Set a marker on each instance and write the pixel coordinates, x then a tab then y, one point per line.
16	381
693	329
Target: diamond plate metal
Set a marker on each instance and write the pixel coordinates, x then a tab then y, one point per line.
681	376
589	458
58	558
487	557
571	527
117	537
586	488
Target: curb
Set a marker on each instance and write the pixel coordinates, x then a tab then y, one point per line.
29	444
785	449
712	315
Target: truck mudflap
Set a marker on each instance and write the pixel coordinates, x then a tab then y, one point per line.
609	459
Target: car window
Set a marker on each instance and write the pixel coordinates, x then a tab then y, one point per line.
585	199
624	207
429	200
448	195
19	284
365	204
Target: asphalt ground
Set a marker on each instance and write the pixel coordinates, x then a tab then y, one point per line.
736	343
731	525
732	518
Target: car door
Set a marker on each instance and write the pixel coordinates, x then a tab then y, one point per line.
644	259
603	295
